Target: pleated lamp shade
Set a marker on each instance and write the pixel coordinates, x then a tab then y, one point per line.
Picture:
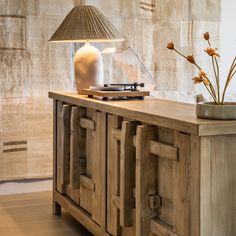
86	23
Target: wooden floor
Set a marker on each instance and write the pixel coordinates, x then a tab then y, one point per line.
31	215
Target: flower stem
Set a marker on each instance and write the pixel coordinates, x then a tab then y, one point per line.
210	93
197	66
180	53
216	72
209	42
229	77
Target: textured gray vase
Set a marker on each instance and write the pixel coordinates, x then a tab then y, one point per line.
210	110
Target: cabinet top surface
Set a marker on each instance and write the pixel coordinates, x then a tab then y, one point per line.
170	114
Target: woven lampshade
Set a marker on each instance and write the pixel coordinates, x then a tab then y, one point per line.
86	23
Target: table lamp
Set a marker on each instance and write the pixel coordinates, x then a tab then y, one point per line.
86	24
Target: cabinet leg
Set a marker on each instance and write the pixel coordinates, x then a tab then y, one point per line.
56	208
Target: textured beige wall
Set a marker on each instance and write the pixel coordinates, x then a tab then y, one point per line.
30	66
149	25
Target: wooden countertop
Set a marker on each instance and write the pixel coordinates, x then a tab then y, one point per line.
175	115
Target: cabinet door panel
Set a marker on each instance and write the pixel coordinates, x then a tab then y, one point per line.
86	193
99	170
113	180
81	158
121	176
173	186
93	199
181	180
165	190
63	146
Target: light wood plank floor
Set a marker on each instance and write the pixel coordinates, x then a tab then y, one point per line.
30	214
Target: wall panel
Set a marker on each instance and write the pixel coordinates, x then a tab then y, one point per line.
30	66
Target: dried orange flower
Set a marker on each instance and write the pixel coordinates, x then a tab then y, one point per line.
171	46
191	59
206	36
198	80
201	78
212	52
202	74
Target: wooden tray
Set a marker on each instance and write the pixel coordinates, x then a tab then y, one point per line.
116	94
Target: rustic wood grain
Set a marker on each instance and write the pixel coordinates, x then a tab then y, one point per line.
163	150
127	173
218	185
65	146
79	214
159	228
99	170
77	146
56	207
167	114
113	185
58	145
194	187
87	124
145	183
181	195
115	94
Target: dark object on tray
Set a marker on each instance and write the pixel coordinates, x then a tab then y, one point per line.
129	87
117	91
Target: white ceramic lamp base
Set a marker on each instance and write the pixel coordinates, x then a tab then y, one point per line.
88	65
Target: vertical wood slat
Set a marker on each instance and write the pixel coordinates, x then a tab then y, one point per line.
113	153
145	179
127	173
99	171
58	144
86	195
205	184
195	186
56	206
77	146
181	176
165	172
63	146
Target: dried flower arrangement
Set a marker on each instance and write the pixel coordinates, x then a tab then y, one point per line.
202	75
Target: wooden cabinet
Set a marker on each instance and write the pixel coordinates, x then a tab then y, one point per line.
123	169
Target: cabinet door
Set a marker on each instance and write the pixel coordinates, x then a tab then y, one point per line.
93	180
121	176
148	180
81	158
162	180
